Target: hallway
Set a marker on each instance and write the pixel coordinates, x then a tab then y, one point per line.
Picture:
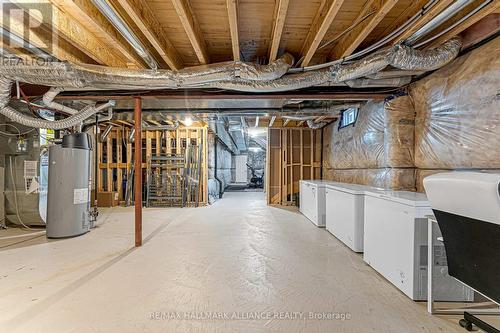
266	269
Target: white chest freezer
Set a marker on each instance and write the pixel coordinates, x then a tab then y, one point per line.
345	213
395	244
312	200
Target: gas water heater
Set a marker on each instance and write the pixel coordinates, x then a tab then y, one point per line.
68	197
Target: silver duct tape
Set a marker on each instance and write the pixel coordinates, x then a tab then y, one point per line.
408	58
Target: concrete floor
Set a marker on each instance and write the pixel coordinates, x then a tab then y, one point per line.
266	268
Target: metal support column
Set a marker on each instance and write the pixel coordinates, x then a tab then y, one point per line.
138	171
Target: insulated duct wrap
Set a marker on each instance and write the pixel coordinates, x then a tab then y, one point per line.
238	76
408	58
23	119
390	178
229	75
458	113
381	137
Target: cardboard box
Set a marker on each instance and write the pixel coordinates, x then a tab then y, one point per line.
105	199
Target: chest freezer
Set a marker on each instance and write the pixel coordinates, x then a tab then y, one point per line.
395	245
312	200
345	213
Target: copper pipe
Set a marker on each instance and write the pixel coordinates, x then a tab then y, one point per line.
138	171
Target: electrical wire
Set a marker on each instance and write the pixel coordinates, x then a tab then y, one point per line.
17	129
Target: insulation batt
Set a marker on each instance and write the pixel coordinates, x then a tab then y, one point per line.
392	178
383	136
458	113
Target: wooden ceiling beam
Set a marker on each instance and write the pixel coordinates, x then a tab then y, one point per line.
92	19
43	37
492	8
319	28
375	11
185	13
232	12
398	21
433	12
142	15
279	23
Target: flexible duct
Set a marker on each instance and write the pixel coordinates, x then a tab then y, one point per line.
66	74
230	75
314	125
408	58
23	119
377	83
48	101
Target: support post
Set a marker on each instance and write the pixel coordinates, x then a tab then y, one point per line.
138	171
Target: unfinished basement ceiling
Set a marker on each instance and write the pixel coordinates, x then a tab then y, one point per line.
197	32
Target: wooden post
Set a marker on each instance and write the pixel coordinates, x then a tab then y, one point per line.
138	171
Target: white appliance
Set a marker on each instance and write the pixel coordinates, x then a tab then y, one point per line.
395	244
312	200
345	213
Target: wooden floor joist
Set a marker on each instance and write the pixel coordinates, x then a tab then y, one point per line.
318	30
185	13
232	11
95	22
142	15
65	26
279	23
367	20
